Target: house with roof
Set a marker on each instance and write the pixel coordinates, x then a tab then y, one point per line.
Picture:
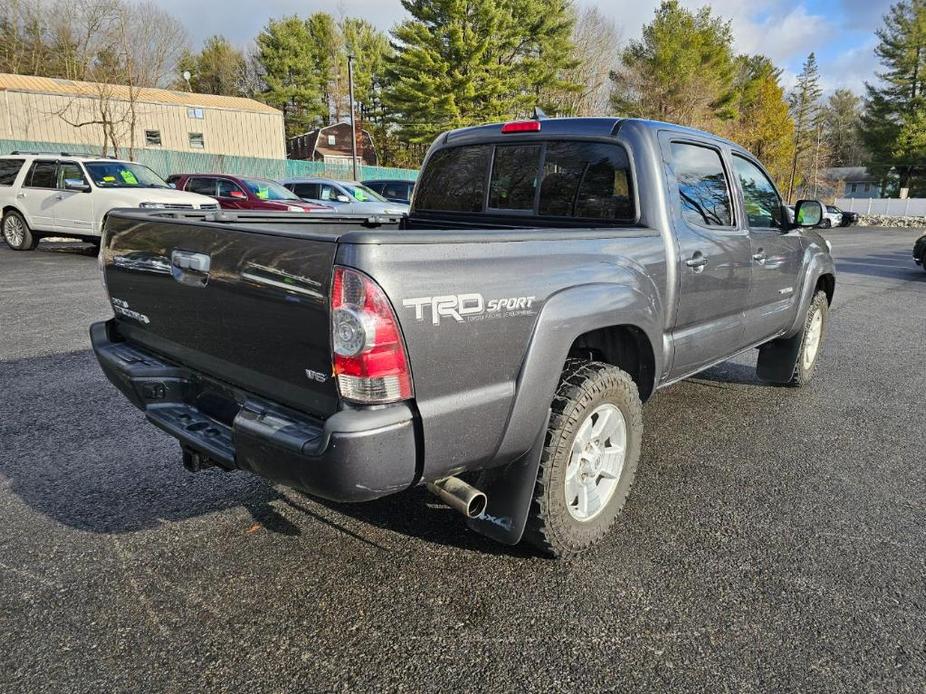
332	144
35	110
854	182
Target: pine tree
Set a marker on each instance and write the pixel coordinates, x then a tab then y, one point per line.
893	123
805	110
461	62
681	70
841	120
287	58
217	69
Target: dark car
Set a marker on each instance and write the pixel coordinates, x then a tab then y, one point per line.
245	192
394	190
919	251
848	218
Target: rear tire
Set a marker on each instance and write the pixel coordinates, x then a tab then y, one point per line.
826	223
17	233
815	328
589	458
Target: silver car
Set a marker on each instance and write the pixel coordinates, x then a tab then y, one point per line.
347	197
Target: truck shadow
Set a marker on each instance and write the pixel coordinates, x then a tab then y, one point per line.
92	462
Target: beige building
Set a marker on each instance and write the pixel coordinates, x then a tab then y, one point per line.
40	109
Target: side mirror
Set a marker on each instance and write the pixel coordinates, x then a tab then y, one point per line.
238	195
808	213
342	198
77	184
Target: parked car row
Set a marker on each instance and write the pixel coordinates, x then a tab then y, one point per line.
61	194
832	217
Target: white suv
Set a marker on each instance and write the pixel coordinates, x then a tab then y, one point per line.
70	195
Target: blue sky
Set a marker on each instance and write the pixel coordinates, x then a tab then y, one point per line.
841	32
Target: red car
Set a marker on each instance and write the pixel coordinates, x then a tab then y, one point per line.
245	193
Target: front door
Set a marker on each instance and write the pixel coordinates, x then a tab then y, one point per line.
776	254
714	258
73	208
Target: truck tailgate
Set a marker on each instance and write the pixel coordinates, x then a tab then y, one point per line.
243	305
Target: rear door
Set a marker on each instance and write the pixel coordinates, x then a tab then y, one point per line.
776	252
40	193
249	308
714	256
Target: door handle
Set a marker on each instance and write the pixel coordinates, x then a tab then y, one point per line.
697	261
760	257
190	268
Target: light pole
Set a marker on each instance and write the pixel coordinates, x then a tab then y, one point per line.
353	124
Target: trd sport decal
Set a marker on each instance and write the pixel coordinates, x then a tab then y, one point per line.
469	307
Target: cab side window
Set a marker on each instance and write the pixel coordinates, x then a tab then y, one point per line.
43	175
201	185
702	185
69	171
763	204
226	188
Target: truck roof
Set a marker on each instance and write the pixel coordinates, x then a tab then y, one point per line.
575	127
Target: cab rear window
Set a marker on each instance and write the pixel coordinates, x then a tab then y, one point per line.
9	169
555	179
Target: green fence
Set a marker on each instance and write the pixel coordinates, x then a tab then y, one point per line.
166	162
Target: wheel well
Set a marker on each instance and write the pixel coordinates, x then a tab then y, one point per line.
827	284
624	346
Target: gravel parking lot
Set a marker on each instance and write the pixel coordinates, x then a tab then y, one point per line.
775	539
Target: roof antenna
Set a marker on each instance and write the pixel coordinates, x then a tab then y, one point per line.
538	114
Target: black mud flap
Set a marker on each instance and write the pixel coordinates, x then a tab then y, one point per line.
509	490
778	359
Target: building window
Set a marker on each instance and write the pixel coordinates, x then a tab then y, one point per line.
195	113
855	187
153	138
332	141
196	141
867	187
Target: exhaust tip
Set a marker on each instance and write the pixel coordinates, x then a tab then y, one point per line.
459	496
476	505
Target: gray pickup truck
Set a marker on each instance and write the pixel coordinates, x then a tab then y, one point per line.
495	345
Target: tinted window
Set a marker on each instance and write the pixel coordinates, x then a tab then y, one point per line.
454	180
69	171
9	169
763	204
305	190
702	185
226	188
588	180
203	186
43	174
514	177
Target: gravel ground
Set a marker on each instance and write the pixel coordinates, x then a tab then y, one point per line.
775	539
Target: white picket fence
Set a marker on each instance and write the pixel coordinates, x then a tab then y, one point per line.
894	207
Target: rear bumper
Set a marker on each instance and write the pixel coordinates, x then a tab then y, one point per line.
354	455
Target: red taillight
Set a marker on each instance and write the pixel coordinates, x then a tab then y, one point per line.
521	126
369	354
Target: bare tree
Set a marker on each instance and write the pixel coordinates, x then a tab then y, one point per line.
120	48
597	43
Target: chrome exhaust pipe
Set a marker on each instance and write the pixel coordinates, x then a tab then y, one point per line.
459	496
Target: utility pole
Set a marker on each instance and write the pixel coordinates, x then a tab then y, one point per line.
353	122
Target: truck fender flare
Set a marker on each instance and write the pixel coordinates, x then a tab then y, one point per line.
564	317
818	264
